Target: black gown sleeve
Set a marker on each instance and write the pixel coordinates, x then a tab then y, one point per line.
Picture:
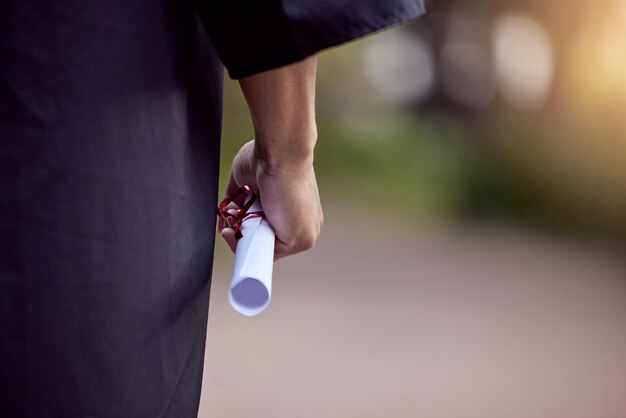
251	36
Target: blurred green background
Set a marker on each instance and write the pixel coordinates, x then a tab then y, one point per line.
472	172
479	109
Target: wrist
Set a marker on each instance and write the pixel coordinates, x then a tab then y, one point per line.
284	152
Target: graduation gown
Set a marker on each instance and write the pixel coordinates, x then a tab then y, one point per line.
110	118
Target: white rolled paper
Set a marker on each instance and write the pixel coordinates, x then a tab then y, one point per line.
251	284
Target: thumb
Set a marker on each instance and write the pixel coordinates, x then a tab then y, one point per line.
243	170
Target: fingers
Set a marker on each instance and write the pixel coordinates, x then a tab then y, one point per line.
242	172
243	169
220	224
290	202
231	187
225	230
301	243
229	236
231	208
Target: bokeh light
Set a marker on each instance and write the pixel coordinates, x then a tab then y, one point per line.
472	264
596	60
399	66
467	75
523	60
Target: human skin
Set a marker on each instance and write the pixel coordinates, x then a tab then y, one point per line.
278	163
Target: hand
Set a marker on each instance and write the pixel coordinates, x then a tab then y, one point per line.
290	200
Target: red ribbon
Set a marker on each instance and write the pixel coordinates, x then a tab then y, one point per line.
235	220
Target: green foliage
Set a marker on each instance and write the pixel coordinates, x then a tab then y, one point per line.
439	167
393	164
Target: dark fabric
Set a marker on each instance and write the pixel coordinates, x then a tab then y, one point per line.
110	118
109	125
257	35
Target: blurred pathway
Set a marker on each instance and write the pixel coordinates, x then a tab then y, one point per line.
483	321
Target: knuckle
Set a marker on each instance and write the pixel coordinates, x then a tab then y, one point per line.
308	241
306	244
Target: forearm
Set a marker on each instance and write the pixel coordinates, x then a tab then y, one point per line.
282	106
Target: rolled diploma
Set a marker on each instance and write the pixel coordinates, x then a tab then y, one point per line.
251	284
